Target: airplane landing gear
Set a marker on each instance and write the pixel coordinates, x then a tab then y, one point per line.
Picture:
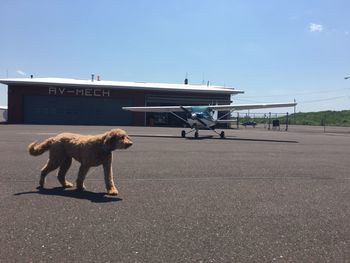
196	135
222	135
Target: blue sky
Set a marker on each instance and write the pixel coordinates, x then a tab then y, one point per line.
274	50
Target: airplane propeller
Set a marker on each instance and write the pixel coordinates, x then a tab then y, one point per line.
193	116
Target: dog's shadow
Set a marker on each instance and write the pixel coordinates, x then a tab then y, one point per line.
73	193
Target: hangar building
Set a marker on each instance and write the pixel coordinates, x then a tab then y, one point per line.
95	102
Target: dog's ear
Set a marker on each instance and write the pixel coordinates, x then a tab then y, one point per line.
110	141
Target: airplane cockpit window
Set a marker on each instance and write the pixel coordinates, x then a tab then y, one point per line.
203	115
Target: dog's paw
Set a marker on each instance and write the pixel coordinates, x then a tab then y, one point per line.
80	188
112	191
41	182
68	185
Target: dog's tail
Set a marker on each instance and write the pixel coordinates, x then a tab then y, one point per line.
36	148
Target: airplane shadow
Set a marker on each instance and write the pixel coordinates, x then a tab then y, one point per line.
213	137
87	195
250	140
154	136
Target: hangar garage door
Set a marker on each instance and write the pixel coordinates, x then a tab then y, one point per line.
76	110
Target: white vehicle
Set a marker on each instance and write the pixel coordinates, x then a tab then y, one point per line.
206	116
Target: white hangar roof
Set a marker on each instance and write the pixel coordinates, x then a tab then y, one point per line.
122	85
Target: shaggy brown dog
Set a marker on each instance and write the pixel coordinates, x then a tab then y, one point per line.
89	150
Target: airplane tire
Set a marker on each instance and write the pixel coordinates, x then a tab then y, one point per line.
196	135
183	134
222	135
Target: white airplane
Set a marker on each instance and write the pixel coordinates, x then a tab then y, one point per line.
206	116
4	114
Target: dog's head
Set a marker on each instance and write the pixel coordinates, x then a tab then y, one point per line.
116	139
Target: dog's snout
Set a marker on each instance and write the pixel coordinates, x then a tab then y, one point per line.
128	143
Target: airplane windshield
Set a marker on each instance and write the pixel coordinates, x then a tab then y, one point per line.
202	115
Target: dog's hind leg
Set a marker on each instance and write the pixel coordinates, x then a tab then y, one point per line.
61	176
50	166
81	177
108	172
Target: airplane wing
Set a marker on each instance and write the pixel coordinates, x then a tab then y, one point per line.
238	107
157	109
3	107
213	107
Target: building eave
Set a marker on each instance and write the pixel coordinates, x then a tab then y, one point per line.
189	88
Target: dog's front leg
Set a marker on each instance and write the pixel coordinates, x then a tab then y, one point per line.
108	172
81	176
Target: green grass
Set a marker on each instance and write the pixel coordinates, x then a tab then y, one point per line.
328	118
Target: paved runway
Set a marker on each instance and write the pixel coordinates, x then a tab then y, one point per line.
257	196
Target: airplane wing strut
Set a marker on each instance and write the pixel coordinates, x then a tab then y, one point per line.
178	117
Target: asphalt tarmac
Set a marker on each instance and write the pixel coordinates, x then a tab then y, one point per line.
257	196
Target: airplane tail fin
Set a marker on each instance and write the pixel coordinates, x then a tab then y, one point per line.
215	115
